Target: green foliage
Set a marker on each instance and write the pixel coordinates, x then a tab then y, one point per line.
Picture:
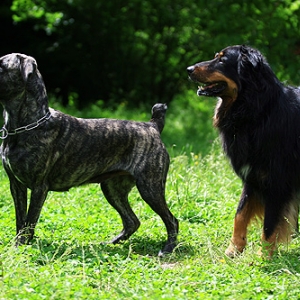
124	51
138	51
29	10
69	259
271	26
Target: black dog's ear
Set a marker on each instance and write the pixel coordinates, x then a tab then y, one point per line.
28	66
254	68
250	56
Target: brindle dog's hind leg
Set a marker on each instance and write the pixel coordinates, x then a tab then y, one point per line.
116	192
152	191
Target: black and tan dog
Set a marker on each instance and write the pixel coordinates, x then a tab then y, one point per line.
258	118
46	150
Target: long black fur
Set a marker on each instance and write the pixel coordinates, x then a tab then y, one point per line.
258	118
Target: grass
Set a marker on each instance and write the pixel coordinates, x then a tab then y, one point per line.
69	258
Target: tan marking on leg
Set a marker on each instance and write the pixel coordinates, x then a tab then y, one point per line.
253	208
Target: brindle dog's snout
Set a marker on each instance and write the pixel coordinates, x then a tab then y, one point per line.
46	150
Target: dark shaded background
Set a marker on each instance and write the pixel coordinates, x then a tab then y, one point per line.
137	51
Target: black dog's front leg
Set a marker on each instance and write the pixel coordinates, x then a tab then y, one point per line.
249	207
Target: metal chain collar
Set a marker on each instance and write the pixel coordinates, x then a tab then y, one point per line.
6	133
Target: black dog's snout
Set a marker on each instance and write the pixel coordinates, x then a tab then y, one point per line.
190	69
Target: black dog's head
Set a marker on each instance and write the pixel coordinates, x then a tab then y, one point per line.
232	69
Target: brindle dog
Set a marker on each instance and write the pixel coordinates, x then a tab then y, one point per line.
47	150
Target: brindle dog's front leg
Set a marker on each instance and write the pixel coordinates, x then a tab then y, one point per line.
37	199
26	221
19	194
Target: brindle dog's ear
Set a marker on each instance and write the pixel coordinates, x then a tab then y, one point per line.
28	66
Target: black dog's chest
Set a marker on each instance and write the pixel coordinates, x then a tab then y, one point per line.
239	150
255	158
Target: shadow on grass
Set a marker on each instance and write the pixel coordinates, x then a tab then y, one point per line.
285	262
48	252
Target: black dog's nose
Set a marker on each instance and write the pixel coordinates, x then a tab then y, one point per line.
190	69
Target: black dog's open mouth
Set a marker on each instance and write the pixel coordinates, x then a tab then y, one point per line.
211	88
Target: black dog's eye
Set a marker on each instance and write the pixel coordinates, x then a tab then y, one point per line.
222	59
220	56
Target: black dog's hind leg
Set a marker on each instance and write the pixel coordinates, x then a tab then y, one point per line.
281	220
153	192
116	192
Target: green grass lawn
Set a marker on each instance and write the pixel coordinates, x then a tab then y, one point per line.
69	258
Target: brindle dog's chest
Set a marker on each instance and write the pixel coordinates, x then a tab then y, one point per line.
21	162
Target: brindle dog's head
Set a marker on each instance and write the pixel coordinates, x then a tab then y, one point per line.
15	69
19	76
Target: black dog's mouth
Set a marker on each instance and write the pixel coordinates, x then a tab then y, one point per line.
211	88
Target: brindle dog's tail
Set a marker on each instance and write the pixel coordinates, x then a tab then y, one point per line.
158	116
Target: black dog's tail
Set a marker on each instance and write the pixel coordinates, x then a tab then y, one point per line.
158	116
